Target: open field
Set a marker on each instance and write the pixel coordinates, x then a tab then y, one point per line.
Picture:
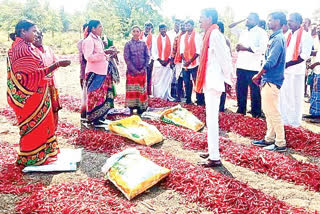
246	186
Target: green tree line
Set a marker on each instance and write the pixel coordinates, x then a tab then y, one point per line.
117	16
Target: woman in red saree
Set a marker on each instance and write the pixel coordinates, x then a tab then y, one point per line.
28	95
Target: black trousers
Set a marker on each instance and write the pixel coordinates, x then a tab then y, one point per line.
244	80
149	76
222	101
187	73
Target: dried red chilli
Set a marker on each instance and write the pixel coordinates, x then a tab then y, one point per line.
8	113
273	164
101	141
199	185
213	190
70	103
89	196
197	141
299	139
67	130
12	179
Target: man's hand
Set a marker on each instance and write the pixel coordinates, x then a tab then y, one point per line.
240	47
142	71
166	62
186	64
256	79
171	64
161	61
313	65
227	88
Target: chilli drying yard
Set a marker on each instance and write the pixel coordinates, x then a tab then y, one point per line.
251	181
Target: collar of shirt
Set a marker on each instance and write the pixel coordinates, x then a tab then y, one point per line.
94	36
133	40
276	33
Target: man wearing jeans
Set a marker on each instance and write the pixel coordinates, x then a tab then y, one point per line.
190	51
272	76
251	47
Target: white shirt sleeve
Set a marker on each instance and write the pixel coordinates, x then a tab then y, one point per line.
182	43
260	45
222	54
306	45
198	43
154	49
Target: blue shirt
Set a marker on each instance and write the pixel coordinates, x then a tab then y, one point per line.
275	60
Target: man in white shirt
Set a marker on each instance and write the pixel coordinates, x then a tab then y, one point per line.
162	74
175	31
215	69
299	46
251	48
190	46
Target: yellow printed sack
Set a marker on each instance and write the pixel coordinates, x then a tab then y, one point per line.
181	117
132	173
137	130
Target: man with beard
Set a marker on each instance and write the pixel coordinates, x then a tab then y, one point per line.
251	46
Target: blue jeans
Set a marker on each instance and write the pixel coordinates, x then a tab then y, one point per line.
187	74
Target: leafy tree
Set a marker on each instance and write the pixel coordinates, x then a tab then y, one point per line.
10	14
64	19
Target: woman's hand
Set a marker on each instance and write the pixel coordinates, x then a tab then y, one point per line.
63	63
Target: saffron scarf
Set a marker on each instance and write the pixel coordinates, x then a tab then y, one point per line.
167	49
201	75
178	57
148	41
297	45
190	47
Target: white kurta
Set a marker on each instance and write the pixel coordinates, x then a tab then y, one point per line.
292	90
257	39
161	76
219	71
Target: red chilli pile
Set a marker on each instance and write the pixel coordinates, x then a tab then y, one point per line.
12	179
275	165
203	186
89	196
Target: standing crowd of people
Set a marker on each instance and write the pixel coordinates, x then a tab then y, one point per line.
170	66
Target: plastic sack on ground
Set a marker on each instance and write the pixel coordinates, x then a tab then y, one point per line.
137	130
132	173
181	117
153	113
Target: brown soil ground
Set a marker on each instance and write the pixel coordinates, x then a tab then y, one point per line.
157	199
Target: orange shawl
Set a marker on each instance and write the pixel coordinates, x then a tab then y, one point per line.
190	47
178	57
167	49
148	41
201	75
297	45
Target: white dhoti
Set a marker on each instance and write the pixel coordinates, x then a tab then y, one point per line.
291	99
161	82
178	68
212	99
